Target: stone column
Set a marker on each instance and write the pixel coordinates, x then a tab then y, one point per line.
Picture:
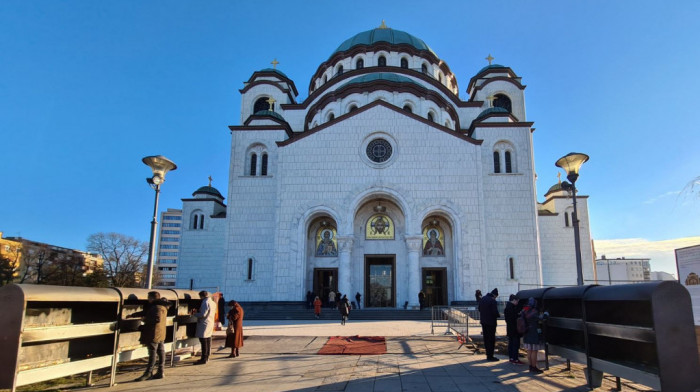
344	270
414	244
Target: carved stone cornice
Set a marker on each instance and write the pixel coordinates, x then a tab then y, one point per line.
345	243
414	243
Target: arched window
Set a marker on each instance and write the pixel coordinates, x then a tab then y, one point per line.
424	68
407	108
340	70
382	61
194	221
261	104
359	64
249	274
201	222
502	101
352	108
440	78
431	117
496	162
511	268
325	79
566	219
331	117
263	165
404	63
253	164
509	167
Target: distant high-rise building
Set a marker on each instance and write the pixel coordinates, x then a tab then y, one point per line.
622	271
168	248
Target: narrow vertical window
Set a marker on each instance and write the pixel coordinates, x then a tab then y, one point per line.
430	117
407	108
253	164
404	63
263	165
424	68
360	64
340	70
382	61
566	219
511	267
194	226
496	162
201	222
509	167
250	269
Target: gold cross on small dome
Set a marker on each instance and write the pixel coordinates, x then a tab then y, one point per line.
271	101
489	59
383	25
209	180
559	177
274	63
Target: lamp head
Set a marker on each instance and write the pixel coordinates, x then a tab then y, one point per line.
160	165
571	163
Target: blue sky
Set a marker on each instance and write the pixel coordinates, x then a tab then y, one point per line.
90	87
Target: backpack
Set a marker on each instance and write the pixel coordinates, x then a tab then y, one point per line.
522	324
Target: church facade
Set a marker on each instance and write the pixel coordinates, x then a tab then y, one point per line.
383	181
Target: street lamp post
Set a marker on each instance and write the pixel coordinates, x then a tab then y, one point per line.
571	163
160	166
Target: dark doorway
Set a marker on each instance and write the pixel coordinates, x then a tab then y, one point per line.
380	281
325	280
435	286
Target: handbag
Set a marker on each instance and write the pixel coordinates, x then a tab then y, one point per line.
229	329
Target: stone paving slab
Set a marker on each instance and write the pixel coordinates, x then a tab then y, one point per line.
269	363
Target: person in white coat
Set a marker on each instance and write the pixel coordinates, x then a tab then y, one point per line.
205	325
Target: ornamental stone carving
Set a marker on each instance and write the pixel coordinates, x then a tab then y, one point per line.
345	243
414	243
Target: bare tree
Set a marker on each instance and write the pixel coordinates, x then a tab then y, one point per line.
37	264
123	257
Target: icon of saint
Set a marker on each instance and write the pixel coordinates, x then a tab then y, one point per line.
326	246
433	247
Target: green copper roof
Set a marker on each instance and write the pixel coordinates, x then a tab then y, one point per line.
274	70
391	77
491	110
391	36
554	188
269	113
492	66
208	190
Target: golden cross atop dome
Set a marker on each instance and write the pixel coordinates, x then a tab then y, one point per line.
209	180
491	98
559	177
383	25
489	58
274	63
271	101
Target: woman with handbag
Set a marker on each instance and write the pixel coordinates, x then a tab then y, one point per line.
234	331
533	338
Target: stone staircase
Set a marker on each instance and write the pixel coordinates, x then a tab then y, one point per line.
298	311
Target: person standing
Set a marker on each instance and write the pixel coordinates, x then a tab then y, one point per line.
421	299
344	308
358	298
489	316
511	316
205	325
478	296
154	315
533	339
317	308
309	300
234	332
331	299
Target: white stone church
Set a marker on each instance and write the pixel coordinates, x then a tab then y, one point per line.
383	181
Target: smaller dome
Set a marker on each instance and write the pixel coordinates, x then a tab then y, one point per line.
492	66
208	190
554	188
269	113
491	111
388	76
275	70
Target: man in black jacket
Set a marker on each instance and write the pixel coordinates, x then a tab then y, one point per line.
154	315
511	316
488	310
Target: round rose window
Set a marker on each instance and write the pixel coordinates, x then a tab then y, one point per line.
379	150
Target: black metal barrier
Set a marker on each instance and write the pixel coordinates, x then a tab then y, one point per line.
48	332
642	332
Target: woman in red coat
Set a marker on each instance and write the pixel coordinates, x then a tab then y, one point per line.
234	332
317	307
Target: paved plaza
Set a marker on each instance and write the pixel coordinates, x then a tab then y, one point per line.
416	361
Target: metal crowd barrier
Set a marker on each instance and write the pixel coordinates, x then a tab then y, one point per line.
641	332
456	320
49	332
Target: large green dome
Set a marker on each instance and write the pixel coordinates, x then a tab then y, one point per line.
391	36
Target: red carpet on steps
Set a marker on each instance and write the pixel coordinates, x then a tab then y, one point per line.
354	345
